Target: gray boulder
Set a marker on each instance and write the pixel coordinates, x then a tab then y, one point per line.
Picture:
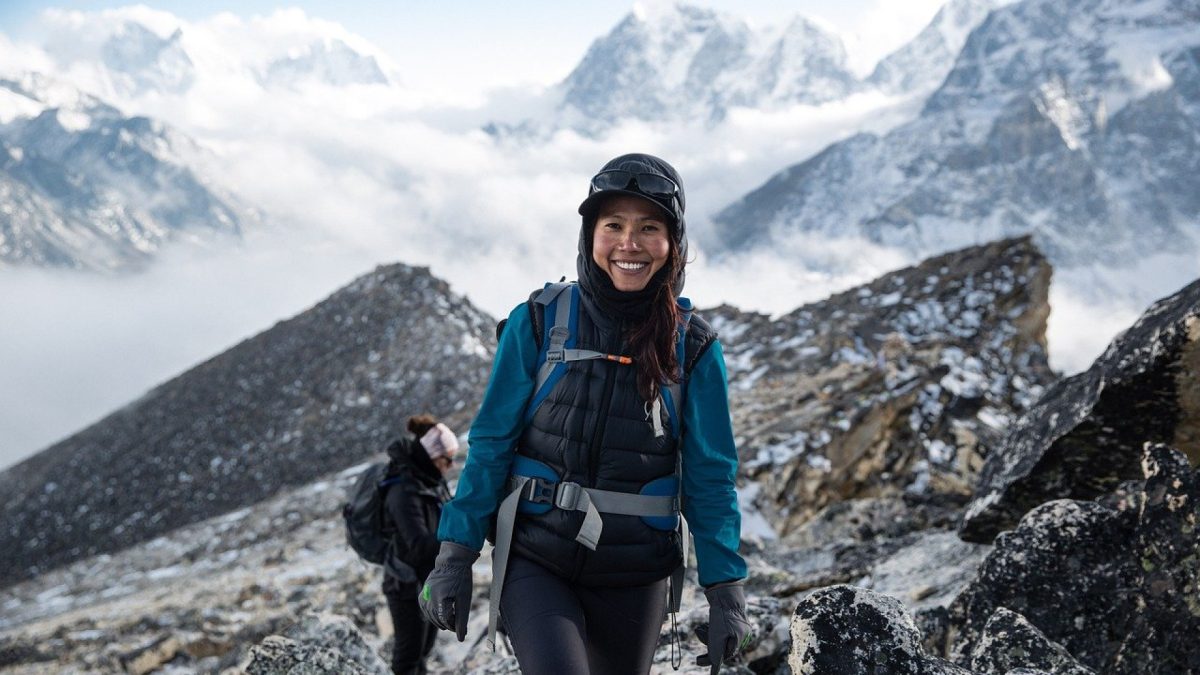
847	630
1084	436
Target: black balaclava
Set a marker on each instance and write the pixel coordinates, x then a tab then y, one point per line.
598	292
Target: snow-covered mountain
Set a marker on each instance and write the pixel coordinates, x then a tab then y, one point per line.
331	62
924	61
85	186
682	62
127	54
685	62
140	61
1077	122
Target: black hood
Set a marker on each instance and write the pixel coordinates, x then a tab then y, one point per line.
673	208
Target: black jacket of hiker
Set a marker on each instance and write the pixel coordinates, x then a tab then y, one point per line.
414	506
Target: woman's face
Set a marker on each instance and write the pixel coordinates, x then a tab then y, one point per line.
630	241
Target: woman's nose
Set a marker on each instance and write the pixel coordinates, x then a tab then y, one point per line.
628	240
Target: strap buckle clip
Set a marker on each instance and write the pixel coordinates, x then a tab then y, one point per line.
567	495
540	491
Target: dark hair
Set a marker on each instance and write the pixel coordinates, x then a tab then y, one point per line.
652	342
420	424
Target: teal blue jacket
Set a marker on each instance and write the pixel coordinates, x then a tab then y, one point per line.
709	455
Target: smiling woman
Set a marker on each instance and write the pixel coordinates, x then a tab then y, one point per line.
585	452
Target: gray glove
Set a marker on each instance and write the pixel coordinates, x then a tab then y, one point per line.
446	597
728	630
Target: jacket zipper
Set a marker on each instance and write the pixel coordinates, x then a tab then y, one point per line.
596	444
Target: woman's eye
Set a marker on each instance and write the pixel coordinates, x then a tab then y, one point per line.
651	227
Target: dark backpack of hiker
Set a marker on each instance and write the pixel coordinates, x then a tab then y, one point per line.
368	529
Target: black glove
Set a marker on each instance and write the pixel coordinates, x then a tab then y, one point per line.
446	597
728	630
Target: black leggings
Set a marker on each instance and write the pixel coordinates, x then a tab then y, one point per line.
556	627
414	637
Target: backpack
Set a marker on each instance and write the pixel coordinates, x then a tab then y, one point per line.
368	530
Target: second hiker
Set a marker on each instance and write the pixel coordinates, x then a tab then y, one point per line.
415	494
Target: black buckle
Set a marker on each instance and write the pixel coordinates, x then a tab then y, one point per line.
540	491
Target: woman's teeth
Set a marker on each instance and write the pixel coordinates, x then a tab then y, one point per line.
630	266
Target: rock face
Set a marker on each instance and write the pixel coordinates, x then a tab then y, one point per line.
1046	124
899	386
77	176
1107	583
843	630
1084	436
314	394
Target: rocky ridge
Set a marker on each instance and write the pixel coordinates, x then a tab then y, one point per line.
313	394
903	386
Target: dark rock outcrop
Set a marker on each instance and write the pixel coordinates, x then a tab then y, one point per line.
843	630
314	394
1111	585
899	386
1085	435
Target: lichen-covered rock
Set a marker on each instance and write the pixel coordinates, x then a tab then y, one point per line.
340	634
277	655
1085	434
895	387
1111	585
1010	642
1166	550
844	630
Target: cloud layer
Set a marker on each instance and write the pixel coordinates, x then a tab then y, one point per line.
351	177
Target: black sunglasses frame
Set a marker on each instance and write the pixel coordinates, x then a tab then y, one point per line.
646	183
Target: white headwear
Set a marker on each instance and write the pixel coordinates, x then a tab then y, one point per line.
439	441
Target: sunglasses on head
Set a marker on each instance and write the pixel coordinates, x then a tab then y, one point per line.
646	183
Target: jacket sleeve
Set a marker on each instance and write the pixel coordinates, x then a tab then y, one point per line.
709	471
493	435
417	544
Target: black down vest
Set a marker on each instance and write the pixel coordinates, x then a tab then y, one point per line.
593	429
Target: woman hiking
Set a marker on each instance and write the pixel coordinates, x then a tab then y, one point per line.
605	416
413	505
